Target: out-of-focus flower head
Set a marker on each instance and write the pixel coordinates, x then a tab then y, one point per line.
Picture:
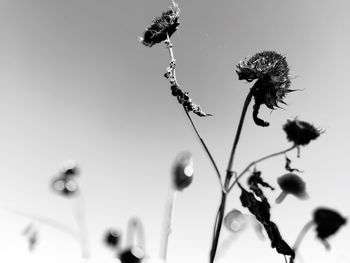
134	254
300	132
273	82
182	171
69	168
235	221
65	183
65	186
327	223
161	27
112	238
31	232
291	183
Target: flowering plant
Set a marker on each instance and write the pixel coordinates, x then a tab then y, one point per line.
270	72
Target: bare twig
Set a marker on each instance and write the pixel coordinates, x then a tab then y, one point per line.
258	161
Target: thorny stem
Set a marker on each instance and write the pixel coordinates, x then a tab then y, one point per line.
258	161
169	46
302	234
46	221
169	215
229	173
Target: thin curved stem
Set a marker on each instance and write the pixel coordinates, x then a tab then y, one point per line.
302	234
46	221
217	227
239	129
205	148
228	177
169	46
80	217
258	161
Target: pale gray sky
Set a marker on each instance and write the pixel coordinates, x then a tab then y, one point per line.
76	84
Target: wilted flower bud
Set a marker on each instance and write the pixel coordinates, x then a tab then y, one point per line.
132	255
291	183
272	72
300	132
327	222
161	27
112	238
182	171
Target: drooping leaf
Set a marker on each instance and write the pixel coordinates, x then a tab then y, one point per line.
261	210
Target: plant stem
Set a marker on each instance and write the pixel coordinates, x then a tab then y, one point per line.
169	215
217	226
205	148
229	173
46	221
81	222
239	129
302	234
135	227
169	46
258	161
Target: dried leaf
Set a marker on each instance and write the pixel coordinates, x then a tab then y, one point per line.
261	210
254	181
289	168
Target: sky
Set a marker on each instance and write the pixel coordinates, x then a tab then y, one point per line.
76	84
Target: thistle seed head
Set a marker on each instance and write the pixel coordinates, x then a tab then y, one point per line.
161	27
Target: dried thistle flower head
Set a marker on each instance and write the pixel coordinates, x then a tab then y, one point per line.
273	82
300	132
327	223
161	27
291	183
